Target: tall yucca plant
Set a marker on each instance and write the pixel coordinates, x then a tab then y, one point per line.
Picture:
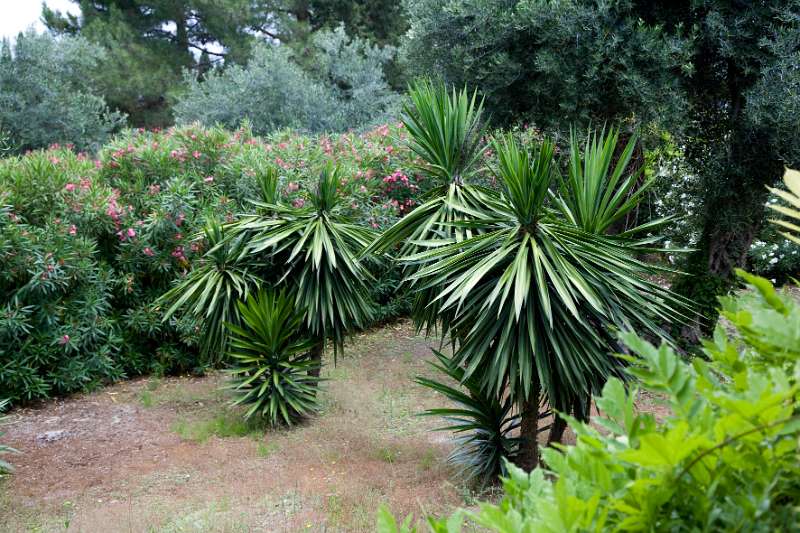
210	291
791	178
446	131
534	297
317	249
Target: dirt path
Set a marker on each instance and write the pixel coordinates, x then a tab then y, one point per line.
168	455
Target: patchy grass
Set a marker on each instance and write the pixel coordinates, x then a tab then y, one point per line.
170	454
223	425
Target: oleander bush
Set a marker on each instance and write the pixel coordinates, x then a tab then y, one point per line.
90	244
725	457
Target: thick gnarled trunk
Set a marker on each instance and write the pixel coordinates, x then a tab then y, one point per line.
528	455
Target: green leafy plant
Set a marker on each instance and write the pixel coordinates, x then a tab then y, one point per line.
446	131
532	299
725	456
318	249
5	467
484	423
599	189
272	372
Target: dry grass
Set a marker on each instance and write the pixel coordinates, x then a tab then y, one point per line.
169	455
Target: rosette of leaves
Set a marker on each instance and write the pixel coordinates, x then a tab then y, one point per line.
317	249
483	423
271	368
534	296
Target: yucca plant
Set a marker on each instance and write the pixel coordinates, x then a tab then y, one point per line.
446	131
483	423
210	291
600	189
271	368
5	467
791	178
535	298
317	249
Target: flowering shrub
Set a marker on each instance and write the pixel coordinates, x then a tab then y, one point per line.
87	245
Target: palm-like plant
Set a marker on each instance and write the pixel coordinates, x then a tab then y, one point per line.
271	367
446	131
318	251
595	194
484	423
5	467
210	291
534	296
792	197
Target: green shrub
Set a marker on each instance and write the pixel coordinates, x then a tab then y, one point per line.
342	88
88	247
272	369
724	458
46	94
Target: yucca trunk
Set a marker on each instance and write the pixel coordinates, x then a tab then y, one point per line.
528	456
316	357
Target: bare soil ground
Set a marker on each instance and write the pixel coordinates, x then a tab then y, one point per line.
169	455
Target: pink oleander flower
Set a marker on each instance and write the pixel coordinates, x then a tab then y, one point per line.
209	179
299	202
292	186
73	229
196	154
148	252
362	189
131	233
63	340
153	190
69	187
178	236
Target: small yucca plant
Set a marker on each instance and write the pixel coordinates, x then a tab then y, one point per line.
272	370
483	422
5	467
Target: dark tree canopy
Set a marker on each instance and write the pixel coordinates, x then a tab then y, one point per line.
721	76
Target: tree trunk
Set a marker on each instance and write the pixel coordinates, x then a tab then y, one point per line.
316	357
528	457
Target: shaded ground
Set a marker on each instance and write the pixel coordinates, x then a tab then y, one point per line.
168	455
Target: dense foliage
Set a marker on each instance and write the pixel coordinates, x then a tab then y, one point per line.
46	94
87	247
724	457
346	88
148	45
720	78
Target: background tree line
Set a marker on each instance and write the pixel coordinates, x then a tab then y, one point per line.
720	77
